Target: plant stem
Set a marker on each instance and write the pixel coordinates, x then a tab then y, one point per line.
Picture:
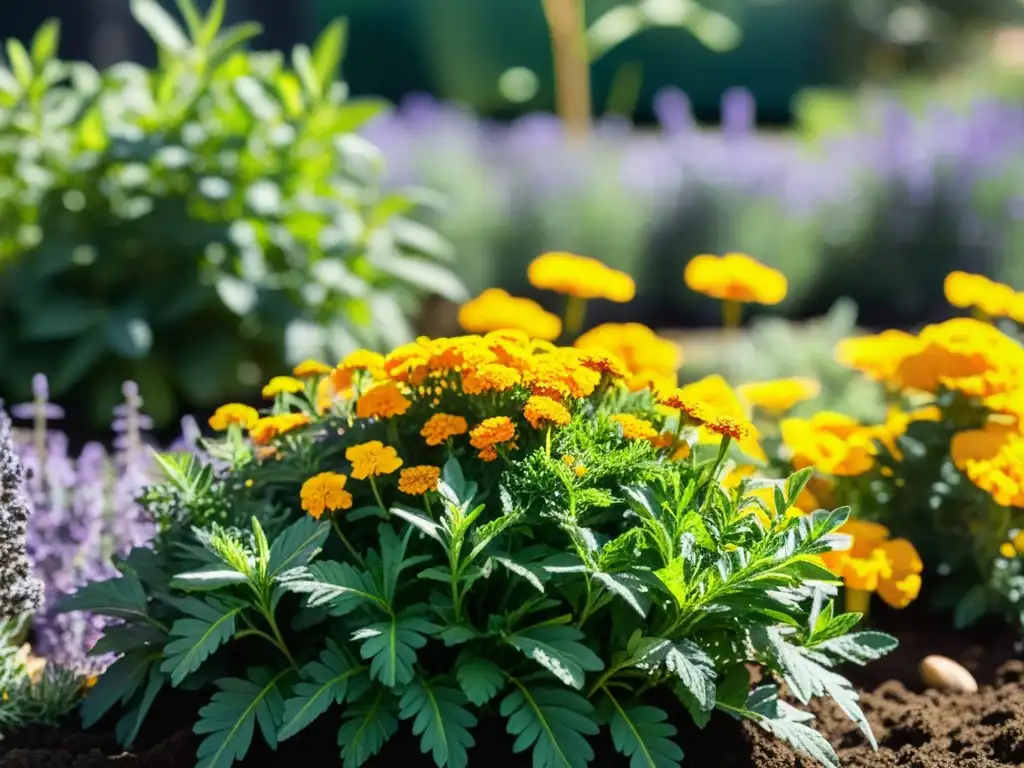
252	632
547	441
575	312
347	543
279	638
567	29
376	495
732	314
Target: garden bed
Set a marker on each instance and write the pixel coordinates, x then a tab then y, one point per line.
915	728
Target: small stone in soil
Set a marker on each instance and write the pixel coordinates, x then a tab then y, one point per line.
946	675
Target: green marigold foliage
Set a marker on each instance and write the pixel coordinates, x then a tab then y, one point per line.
226	189
554	599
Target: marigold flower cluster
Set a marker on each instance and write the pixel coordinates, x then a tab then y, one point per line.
735	277
875	563
581	277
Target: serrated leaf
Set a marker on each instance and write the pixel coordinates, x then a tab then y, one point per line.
232	714
127	728
339	586
193	640
208	578
118	683
296	545
367	727
627	587
523	571
789	724
859	647
701	717
556	647
480	679
122	598
554	722
390	647
643	735
688	662
420	521
324	682
441	720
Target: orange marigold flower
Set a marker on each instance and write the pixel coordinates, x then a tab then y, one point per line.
492	432
634	428
664	440
442	426
735	277
324	492
779	395
727	427
580	276
603	362
372	459
993	459
877	355
636	345
832	442
541	410
357	362
309	368
416	481
496	310
691	411
267	428
717	397
490	378
382	402
280	385
234	413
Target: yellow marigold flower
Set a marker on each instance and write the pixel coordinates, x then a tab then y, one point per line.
728	427
580	276
495	310
282	384
966	291
492	432
719	399
416	481
582	382
877	355
568	460
442	426
875	563
357	362
541	411
779	395
634	428
234	413
580	470
491	377
267	428
636	345
965	355
735	277
309	368
382	401
1007	550
372	459
1018	541
833	443
651	380
549	377
691	412
993	459
325	492
604	363
327	396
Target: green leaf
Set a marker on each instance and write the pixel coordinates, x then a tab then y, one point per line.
858	647
971	607
367	725
337	585
642	734
122	598
441	720
701	717
160	25
237	295
390	647
296	545
118	683
688	662
428	276
734	686
795	484
127	728
480	679
210	624
45	42
207	578
86	351
627	587
788	724
193	19
127	333
556	647
20	62
232	714
328	52
524	571
420	521
122	638
553	721
62	317
324	682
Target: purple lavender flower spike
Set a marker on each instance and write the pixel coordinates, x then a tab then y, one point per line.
739	113
673	110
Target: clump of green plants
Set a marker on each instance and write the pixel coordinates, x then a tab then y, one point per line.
192	225
470	529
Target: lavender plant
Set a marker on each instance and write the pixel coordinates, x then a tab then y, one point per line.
85	513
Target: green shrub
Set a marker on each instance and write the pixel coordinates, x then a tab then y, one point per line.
542	561
192	226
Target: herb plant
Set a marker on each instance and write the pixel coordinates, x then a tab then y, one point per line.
469	529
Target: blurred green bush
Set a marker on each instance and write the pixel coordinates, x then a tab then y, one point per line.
198	226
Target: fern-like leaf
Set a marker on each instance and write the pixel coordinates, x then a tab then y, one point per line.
296	545
441	720
329	680
556	647
337	586
643	734
481	680
232	714
390	647
367	726
554	722
209	625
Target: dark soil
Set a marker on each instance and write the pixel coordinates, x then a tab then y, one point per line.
915	728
